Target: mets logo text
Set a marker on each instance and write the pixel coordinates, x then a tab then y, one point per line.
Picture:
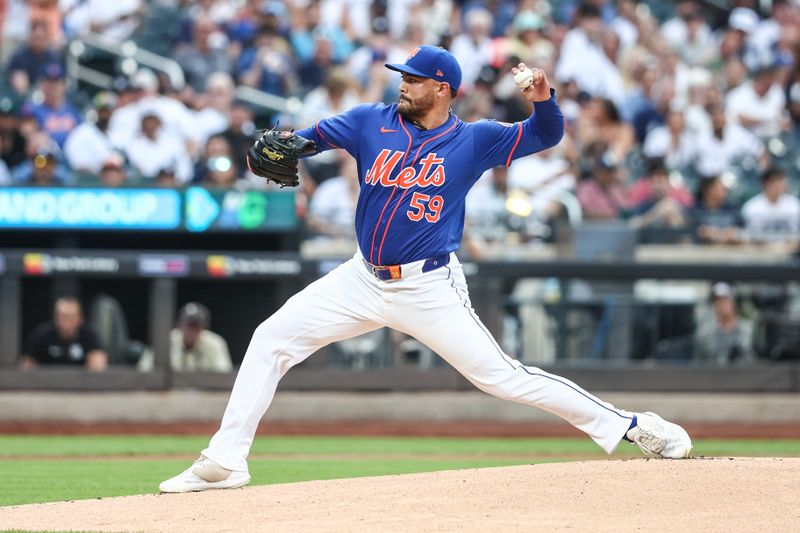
430	173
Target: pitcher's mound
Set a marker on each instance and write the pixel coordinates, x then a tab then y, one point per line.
720	494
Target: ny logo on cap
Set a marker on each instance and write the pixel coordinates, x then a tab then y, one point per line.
413	53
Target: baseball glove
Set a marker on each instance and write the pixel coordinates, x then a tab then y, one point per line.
274	156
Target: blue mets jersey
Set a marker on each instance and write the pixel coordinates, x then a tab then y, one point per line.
414	182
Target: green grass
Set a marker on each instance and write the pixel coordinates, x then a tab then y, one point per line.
78	469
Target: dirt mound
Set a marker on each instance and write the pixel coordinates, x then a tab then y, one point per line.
720	494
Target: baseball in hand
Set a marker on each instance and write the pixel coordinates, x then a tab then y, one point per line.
523	78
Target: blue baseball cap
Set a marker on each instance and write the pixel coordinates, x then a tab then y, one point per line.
431	62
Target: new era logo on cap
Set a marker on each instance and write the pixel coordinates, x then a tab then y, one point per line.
431	62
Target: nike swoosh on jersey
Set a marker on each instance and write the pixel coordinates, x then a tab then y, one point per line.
384	130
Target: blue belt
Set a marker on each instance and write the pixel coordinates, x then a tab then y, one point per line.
390	272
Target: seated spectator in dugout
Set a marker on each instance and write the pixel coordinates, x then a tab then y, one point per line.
727	339
66	340
193	347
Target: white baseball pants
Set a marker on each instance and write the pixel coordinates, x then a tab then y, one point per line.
433	307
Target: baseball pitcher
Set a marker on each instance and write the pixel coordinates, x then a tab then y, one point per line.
416	163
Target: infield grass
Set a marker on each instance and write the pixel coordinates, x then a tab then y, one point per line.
50	468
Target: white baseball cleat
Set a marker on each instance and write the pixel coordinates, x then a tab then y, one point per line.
657	437
205	474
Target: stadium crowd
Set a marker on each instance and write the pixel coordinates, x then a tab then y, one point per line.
677	115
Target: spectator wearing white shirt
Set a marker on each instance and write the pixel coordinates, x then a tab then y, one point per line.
333	207
727	144
154	149
92	133
216	106
625	24
335	96
671	142
544	176
584	60
774	214
176	118
116	19
473	48
486	217
676	29
759	104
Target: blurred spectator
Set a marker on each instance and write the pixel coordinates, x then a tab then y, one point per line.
697	45
116	19
14	27
154	149
676	30
49	13
671	142
649	106
12	143
726	145
486	216
528	43
335	96
603	195
42	168
583	60
774	214
473	48
657	203
113	172
92	132
216	104
65	340
193	347
166	178
625	23
727	338
308	27
435	18
239	133
268	65
601	122
314	71
176	118
55	115
28	63
205	55
333	206
759	105
217	168
717	221
544	177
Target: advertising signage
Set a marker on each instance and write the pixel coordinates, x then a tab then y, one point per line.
196	209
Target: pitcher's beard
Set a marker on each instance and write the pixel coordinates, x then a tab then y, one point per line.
415	110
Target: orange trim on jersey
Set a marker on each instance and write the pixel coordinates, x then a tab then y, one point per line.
377	222
408	148
514	148
319	132
400	201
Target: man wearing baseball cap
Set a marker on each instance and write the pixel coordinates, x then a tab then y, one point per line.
432	62
416	162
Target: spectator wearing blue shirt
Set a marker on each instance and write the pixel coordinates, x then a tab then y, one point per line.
27	63
55	115
42	169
